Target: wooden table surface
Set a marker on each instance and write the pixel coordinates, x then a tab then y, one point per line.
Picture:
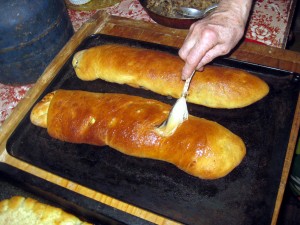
105	24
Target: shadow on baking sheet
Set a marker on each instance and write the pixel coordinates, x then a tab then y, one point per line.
245	196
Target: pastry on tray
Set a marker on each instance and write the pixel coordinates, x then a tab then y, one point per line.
19	210
160	72
127	123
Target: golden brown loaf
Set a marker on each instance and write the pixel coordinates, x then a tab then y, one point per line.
27	211
160	72
200	147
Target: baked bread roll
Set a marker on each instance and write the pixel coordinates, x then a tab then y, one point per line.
27	211
199	147
160	72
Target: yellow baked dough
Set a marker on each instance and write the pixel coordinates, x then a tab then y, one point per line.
199	147
160	72
19	210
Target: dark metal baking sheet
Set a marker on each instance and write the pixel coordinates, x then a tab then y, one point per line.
246	196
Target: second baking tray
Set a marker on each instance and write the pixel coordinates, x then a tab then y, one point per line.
246	196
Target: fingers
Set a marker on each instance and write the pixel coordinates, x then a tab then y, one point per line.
187	45
209	38
195	49
216	51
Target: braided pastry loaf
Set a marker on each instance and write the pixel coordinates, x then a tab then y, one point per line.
199	147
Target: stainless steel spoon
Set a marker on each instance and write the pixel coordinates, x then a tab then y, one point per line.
195	13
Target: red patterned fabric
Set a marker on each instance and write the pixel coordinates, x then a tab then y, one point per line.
9	98
268	25
269	22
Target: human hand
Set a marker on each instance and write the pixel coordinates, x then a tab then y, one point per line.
214	35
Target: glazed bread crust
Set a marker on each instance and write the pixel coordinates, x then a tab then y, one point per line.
199	147
27	211
160	72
